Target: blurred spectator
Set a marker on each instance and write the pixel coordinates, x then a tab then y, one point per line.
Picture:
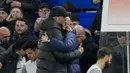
13	59
44	11
75	20
88	57
4	39
29	7
119	61
51	60
69	7
21	29
95	27
3	15
32	51
15	13
104	61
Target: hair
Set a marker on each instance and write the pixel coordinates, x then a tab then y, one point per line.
23	20
103	52
4	30
31	44
74	17
79	28
18	8
69	7
120	34
44	5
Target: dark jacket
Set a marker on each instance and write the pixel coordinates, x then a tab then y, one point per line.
119	60
89	56
96	24
11	26
50	60
4	23
68	44
29	34
2	49
9	61
4	46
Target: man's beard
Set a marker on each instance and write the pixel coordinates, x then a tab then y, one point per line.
107	65
5	44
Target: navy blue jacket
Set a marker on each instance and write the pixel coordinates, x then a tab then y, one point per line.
68	44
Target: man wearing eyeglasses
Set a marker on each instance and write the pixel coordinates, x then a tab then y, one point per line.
44	11
4	39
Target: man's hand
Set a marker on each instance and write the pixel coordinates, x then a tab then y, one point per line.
16	3
45	38
81	49
97	33
1	65
9	18
39	20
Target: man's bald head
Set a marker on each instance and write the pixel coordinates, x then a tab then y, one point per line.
79	29
4	33
80	33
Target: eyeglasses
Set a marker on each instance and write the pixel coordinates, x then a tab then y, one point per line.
45	10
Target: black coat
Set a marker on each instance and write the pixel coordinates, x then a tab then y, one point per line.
119	60
89	56
2	49
50	60
9	61
96	24
4	23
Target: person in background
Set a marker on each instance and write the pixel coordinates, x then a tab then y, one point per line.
119	61
13	59
89	56
104	60
44	11
4	39
95	27
3	15
15	14
32	51
21	29
29	7
69	6
74	20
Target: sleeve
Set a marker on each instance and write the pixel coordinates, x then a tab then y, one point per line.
2	49
31	7
65	57
95	71
96	22
3	56
24	69
67	45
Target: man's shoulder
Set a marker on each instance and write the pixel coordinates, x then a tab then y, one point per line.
49	23
95	70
